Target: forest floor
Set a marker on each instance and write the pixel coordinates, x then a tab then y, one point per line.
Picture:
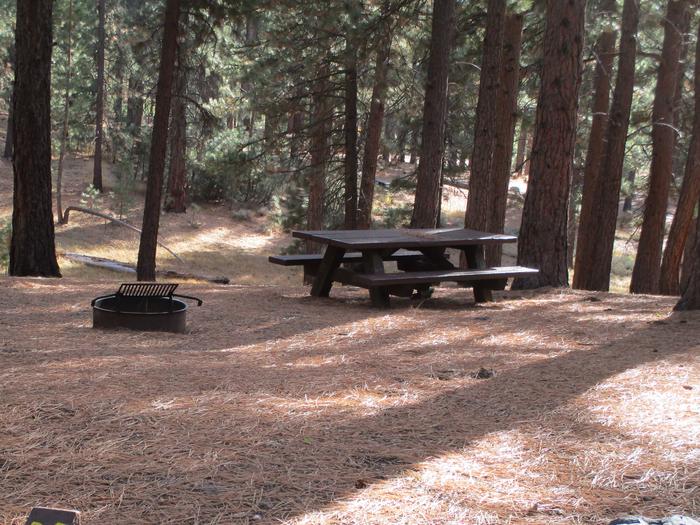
276	407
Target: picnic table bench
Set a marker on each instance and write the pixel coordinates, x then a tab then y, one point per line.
421	258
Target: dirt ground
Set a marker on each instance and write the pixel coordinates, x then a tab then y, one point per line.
277	407
280	408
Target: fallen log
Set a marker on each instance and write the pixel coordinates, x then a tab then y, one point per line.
118	266
64	220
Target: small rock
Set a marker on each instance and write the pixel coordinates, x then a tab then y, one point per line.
593	299
484	373
640	520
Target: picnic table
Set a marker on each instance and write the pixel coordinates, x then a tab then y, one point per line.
420	254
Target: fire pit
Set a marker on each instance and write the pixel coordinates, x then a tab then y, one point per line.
142	306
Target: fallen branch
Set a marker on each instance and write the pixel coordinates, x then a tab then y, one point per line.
118	266
80	209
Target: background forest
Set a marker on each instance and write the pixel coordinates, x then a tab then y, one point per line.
298	110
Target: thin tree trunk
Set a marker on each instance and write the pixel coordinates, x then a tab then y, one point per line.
429	171
350	129
629	197
542	242
507	102
571	223
479	201
64	127
146	266
7	154
585	244
647	265
100	102
687	263
689	196
690	300
594	259
319	156
522	145
177	178
32	248
374	131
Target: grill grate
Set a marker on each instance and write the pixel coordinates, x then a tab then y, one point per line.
147	289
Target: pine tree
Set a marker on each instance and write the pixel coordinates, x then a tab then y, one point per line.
542	241
429	173
146	266
32	248
647	265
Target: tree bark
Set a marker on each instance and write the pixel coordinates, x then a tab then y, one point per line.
177	177
7	153
690	300
32	248
100	101
319	155
429	171
688	199
350	129
542	243
507	103
645	275
478	213
146	266
687	263
374	130
586	243
64	126
597	237
134	107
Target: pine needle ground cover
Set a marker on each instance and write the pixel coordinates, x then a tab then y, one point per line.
279	408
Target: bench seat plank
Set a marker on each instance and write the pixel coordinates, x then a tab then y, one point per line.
388	279
349	257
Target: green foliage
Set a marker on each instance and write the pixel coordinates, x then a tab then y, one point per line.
398	216
91	197
122	196
231	170
5	237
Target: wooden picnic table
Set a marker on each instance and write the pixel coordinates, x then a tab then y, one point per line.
434	266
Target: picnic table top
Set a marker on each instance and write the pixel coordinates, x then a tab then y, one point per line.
403	238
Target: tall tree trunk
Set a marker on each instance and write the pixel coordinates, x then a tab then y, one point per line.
7	154
645	275
594	259
687	263
146	265
507	101
319	155
690	300
350	129
689	195
100	102
429	171
66	106
177	177
374	131
478	213
542	242
586	244
32	248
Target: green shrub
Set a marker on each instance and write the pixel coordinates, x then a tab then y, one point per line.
5	237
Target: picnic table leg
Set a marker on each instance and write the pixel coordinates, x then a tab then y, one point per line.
437	258
323	281
373	263
476	260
